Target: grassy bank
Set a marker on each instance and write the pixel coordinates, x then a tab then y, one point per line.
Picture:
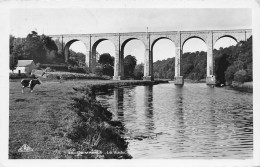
245	87
57	121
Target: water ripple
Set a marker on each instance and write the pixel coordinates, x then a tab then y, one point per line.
195	121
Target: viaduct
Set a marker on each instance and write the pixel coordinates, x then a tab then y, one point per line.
91	41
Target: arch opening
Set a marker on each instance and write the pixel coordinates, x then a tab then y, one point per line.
132	58
221	54
225	41
103	56
75	56
163	53
194	59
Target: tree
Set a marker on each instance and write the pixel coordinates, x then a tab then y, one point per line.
138	72
17	51
34	47
240	76
13	62
106	58
129	65
229	73
107	63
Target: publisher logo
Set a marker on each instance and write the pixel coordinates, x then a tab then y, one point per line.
25	148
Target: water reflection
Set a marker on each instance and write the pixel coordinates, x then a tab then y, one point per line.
119	103
193	121
148	104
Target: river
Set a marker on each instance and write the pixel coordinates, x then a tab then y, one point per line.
194	121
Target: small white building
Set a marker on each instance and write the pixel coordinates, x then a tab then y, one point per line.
25	66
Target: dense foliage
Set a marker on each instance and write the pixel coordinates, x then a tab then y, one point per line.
43	50
129	66
39	48
234	63
139	71
164	68
107	64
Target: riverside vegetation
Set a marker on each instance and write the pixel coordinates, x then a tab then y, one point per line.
60	120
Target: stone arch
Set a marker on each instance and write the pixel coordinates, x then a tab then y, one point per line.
94	50
223	36
207	54
128	40
192	37
157	39
122	49
152	49
236	35
67	46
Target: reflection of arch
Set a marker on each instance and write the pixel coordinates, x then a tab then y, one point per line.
148	103
119	103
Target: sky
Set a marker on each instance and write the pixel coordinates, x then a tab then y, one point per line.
120	20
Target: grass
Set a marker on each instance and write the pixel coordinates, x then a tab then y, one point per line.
244	87
54	120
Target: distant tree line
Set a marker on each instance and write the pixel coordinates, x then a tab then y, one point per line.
193	66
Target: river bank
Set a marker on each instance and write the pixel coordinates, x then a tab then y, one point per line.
244	87
63	119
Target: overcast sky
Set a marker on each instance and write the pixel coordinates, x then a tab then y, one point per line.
80	21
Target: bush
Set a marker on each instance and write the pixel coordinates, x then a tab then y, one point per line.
57	67
38	66
107	70
20	76
86	69
76	69
49	69
229	74
241	76
52	76
98	71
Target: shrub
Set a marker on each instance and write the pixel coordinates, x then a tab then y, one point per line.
86	69
98	71
49	69
57	67
241	76
229	74
38	66
19	76
76	69
107	70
